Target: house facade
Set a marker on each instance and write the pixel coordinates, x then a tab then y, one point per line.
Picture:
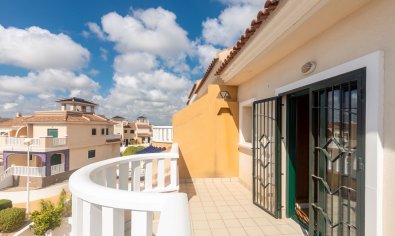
143	130
59	142
300	110
137	132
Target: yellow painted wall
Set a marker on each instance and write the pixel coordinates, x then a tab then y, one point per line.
207	134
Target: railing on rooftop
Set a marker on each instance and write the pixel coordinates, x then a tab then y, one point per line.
107	193
162	134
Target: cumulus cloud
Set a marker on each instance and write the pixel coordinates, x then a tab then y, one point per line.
150	65
153	31
132	63
157	94
206	53
35	48
240	2
226	29
96	30
103	54
46	82
38	90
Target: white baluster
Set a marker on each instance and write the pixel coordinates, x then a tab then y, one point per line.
77	216
173	173
161	173
111	177
148	175
123	176
91	219
142	223
136	176
113	221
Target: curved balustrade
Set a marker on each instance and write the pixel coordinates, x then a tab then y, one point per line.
107	193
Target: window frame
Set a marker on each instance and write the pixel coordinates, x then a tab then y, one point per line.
94	131
242	139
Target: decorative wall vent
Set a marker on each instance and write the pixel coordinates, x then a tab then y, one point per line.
308	67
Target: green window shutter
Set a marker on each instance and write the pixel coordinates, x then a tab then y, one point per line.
52	133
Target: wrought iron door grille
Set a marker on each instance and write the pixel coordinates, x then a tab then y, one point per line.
266	162
336	188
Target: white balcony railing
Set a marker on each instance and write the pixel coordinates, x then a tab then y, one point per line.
57	169
24	170
113	137
162	134
11	141
58	141
104	200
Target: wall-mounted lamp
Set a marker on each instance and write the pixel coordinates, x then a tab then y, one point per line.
308	67
224	95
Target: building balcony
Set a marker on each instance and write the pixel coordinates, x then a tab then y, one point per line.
113	138
130	195
41	143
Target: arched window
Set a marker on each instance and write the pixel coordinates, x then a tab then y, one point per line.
56	159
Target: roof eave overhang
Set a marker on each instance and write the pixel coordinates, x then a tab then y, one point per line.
292	25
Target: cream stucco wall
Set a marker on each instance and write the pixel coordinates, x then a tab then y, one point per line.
40	130
368	29
80	135
79	156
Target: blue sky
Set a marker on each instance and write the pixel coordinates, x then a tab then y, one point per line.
136	57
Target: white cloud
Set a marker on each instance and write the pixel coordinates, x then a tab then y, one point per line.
156	94
226	29
103	54
132	63
35	48
38	90
206	53
93	72
238	2
153	31
47	82
95	29
9	105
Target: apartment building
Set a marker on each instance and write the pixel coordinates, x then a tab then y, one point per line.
58	142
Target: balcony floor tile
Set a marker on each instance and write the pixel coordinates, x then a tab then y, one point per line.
225	208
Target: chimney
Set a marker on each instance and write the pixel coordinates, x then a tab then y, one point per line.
18	114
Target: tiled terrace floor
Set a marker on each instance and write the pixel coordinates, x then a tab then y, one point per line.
226	208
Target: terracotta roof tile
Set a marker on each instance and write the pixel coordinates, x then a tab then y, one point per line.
45	118
66	117
270	6
18	121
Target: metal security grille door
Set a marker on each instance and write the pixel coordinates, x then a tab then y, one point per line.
337	157
266	155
